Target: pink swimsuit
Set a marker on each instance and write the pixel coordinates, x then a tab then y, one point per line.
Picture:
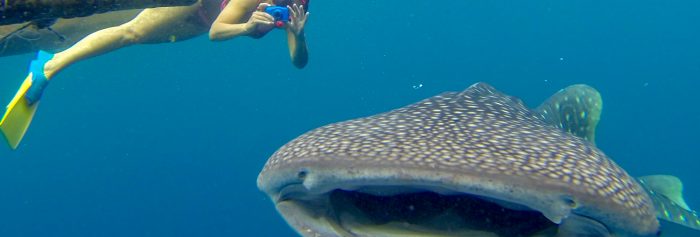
223	4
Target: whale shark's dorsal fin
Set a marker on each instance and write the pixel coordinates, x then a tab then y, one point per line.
575	109
666	192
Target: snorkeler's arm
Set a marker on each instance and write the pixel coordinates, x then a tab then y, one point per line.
297	48
231	23
295	36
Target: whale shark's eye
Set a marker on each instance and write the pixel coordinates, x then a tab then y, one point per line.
570	202
302	174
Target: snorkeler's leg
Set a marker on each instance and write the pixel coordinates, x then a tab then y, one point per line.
155	25
151	26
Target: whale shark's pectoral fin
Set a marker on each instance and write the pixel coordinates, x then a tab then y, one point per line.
669	186
666	192
575	109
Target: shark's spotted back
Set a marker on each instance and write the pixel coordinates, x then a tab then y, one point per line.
478	141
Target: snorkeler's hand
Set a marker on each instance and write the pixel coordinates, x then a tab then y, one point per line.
262	6
259	18
298	18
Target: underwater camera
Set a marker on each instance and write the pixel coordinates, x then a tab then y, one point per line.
281	14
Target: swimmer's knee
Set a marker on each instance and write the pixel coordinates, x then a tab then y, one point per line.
131	35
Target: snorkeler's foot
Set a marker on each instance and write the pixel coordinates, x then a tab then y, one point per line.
39	80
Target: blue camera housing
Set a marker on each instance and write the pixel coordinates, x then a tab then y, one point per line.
279	13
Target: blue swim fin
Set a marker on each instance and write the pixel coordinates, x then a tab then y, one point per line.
20	111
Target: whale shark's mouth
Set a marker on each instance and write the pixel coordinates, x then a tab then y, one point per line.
386	211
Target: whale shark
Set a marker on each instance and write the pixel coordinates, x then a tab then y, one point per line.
471	163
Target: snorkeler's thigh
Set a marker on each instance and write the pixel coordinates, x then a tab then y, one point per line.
167	24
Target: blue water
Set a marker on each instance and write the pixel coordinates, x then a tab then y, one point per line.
167	140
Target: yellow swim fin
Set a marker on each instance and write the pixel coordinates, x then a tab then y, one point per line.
18	116
20	111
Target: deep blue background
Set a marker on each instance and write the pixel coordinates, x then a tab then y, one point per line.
167	140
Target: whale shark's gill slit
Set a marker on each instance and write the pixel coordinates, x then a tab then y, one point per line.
430	212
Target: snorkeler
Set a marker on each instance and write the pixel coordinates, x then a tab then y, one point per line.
222	19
